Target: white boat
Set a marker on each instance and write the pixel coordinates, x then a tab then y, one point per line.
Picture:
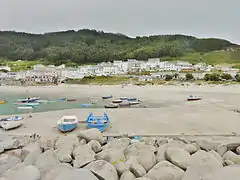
31	99
44	101
10	124
12	118
134	102
67	123
25	108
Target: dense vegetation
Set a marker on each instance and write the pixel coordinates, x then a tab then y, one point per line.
90	46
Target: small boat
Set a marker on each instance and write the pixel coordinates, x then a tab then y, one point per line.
45	101
67	123
124	104
111	105
193	98
3	102
31	104
123	98
27	100
10	124
107	97
99	122
25	108
86	105
132	99
134	103
71	100
63	99
117	101
13	118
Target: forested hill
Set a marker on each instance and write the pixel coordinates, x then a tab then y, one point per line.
91	46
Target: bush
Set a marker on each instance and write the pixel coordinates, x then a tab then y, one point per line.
168	77
212	77
189	76
237	77
226	76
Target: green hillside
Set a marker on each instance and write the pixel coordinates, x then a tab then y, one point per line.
91	46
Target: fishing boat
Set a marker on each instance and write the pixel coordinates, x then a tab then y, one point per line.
67	123
107	97
31	104
132	99
28	100
123	98
99	122
11	122
117	101
3	102
193	98
25	108
71	100
111	105
134	103
124	104
63	99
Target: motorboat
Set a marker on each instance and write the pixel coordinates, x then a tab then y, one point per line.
107	97
67	123
117	101
111	105
29	99
193	98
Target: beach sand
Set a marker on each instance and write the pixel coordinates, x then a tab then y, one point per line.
172	115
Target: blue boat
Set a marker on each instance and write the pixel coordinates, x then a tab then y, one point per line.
86	105
132	99
63	99
98	122
13	118
107	97
123	98
67	123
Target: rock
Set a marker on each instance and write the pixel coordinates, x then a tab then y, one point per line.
202	163
227	146
64	147
216	155
208	145
228	163
83	155
8	142
228	172
191	148
127	175
95	145
164	170
103	169
15	152
47	161
30	153
143	178
121	143
46	145
229	155
1	149
82	142
237	150
7	162
25	173
92	134
160	154
136	168
178	157
147	159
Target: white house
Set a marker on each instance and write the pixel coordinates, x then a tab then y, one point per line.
183	65
153	63
167	66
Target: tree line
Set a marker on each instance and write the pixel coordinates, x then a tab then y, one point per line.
91	46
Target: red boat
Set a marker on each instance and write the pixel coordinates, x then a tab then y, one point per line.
71	100
194	98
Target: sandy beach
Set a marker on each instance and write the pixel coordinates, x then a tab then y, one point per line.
173	115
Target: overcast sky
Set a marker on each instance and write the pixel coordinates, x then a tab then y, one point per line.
201	18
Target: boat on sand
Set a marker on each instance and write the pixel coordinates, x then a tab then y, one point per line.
193	98
11	122
71	100
111	105
134	103
25	108
132	99
67	123
99	122
107	97
116	101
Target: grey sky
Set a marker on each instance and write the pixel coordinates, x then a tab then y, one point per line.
201	18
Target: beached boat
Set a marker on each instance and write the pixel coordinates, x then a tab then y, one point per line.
71	100
67	123
134	103
3	102
111	105
124	104
31	104
193	98
132	99
107	97
117	101
99	122
123	98
25	108
11	122
63	99
28	100
86	105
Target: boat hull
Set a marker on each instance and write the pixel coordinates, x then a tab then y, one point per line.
71	100
111	106
98	122
7	125
194	99
107	97
67	127
132	99
117	101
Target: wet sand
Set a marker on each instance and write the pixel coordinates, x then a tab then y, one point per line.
171	115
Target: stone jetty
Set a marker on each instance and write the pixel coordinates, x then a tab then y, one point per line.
91	156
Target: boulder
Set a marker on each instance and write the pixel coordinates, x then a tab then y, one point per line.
103	169
191	148
136	168
64	147
8	142
46	144
1	149
227	146
164	170
30	153
217	155
228	172
95	145
7	162
160	153
47	161
14	152
83	155
229	155
92	134
127	175
237	150
178	157
82	142
147	159
207	145
121	143
228	163
143	178
25	173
